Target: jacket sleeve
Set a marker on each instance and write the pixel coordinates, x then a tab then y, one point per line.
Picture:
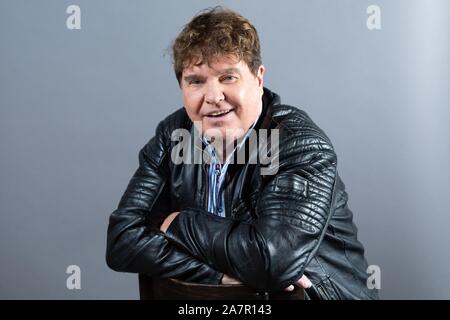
270	251
134	242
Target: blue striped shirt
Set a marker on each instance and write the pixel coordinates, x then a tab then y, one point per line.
216	176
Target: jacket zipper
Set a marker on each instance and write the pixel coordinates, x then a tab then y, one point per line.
226	205
205	194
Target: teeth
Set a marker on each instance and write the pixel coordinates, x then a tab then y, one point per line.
219	113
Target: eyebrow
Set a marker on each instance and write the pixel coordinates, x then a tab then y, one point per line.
224	71
231	70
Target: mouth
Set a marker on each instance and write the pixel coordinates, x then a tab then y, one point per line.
219	114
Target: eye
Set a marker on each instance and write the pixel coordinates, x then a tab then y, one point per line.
228	78
195	82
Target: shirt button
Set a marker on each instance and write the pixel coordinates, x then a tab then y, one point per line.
220	210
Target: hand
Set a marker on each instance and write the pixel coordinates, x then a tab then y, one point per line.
167	221
226	279
303	282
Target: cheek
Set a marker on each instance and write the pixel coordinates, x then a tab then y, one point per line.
247	103
192	104
187	98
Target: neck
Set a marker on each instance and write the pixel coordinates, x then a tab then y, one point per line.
223	151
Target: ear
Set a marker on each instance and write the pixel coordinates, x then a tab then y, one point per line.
260	76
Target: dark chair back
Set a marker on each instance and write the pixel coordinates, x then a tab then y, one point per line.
172	289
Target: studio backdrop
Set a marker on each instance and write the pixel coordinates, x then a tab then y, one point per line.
83	85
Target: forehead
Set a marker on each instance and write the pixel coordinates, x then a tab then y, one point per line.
218	66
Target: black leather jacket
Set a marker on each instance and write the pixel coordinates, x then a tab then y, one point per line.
277	227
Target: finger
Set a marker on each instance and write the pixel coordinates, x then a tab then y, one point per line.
290	288
226	279
304	282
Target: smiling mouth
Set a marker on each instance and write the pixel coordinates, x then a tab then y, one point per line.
219	113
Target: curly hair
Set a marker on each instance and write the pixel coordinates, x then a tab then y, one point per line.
213	33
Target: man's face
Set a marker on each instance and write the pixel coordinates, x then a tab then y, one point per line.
224	96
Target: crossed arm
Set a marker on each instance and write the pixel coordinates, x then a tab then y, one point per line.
303	282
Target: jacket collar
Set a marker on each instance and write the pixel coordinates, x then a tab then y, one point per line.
269	99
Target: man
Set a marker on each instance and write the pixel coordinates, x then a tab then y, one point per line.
269	225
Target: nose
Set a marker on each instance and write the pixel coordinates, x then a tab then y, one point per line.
214	93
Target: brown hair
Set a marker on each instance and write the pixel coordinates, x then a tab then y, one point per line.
213	33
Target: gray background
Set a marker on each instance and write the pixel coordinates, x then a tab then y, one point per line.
77	105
